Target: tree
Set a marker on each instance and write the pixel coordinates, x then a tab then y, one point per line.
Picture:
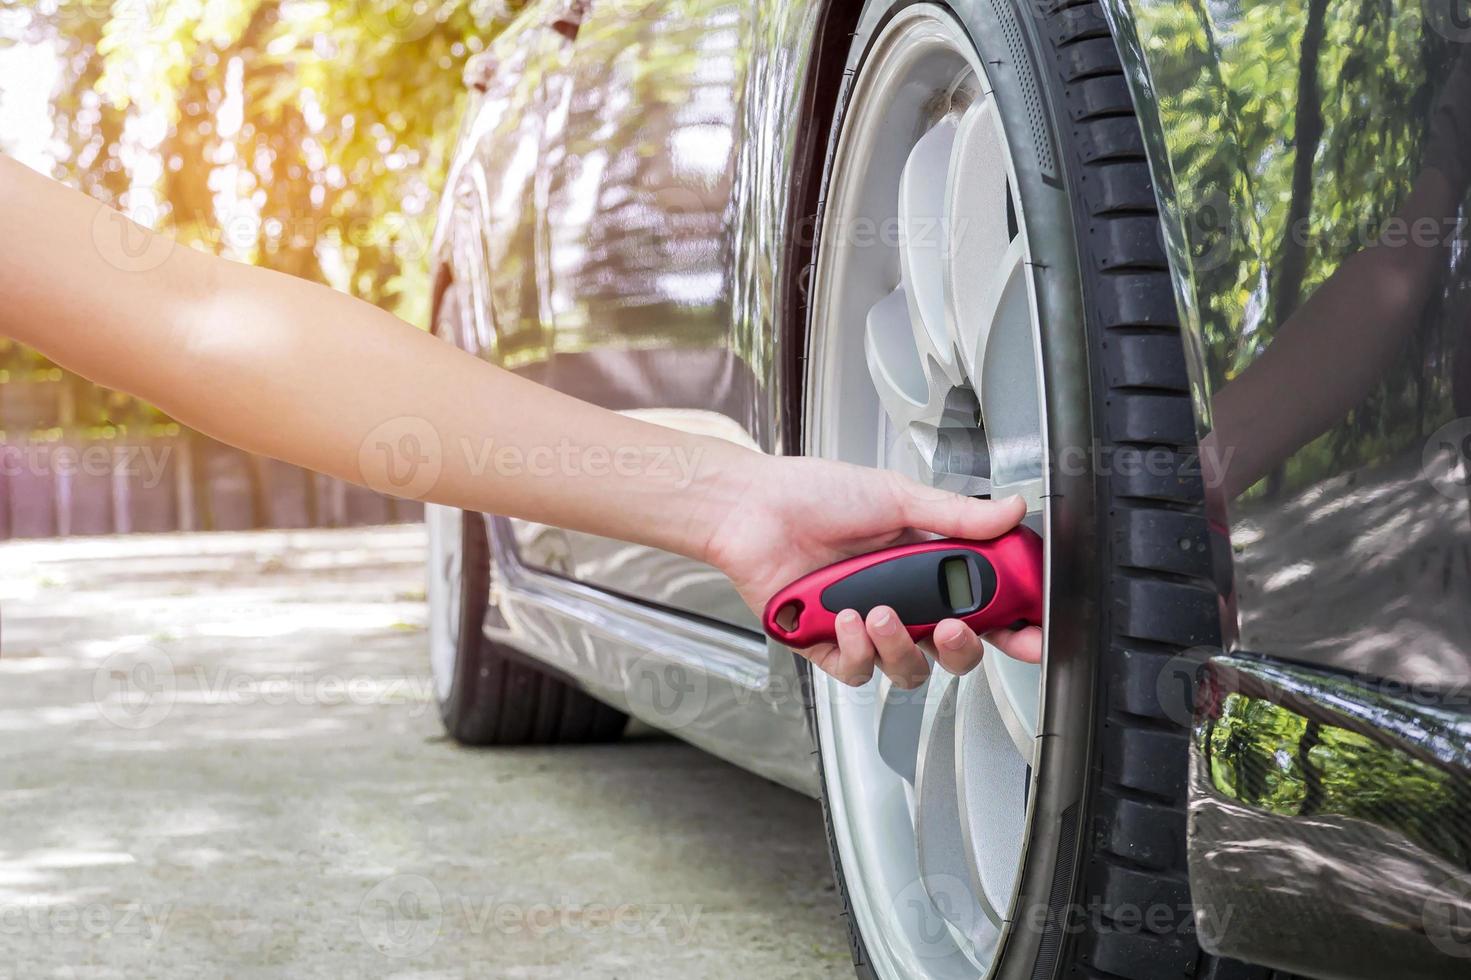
309	138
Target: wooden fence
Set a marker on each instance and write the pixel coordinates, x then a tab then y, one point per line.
59	477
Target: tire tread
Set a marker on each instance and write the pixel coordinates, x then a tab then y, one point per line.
1161	598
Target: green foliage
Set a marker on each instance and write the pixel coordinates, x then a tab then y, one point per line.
1229	78
1273	758
309	137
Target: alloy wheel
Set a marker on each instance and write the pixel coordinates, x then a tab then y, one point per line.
923	358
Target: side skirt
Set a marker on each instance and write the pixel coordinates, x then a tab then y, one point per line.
724	690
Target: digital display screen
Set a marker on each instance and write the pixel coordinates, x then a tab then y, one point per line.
956	576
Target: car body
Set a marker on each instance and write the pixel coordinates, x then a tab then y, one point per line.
652	305
627	218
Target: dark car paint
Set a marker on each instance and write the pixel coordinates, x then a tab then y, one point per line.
1332	839
634	239
1345	555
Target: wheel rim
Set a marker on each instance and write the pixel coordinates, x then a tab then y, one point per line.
923	359
445	526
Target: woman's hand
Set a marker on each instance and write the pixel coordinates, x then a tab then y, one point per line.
798	514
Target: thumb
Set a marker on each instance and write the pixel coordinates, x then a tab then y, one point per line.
953	516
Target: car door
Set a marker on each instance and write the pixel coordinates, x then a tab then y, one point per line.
496	203
1325	219
639	207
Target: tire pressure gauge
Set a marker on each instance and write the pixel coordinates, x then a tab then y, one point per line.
985	584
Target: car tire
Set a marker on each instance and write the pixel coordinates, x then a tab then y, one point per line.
1129	550
497	696
490	693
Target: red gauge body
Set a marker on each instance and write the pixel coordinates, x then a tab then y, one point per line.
985	584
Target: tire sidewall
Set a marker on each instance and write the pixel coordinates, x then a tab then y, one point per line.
474	591
1073	540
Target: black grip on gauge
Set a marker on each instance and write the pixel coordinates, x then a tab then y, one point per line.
913	586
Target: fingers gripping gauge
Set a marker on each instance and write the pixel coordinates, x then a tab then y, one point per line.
985	584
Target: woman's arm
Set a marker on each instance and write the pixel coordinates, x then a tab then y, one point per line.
294	370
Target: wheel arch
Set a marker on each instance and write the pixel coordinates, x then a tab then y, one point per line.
442	278
821	96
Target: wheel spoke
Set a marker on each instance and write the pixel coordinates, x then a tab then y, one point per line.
1031	489
901	715
952	457
989	299
991	789
925	243
946	864
1016	688
893	361
446	547
981	258
1009	398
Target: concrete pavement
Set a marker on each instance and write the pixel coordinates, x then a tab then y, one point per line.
219	756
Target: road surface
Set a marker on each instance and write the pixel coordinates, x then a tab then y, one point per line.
219	756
